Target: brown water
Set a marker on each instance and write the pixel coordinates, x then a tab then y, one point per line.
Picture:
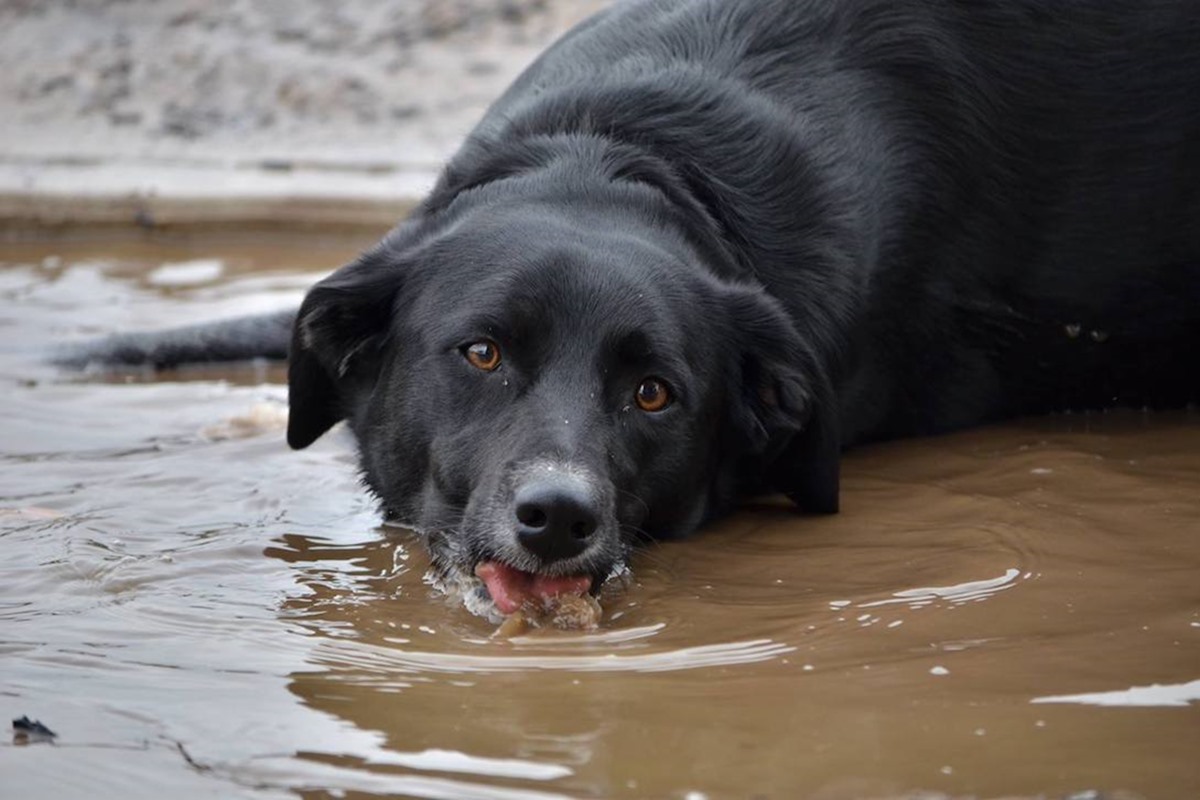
199	612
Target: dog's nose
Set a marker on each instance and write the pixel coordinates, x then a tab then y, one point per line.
554	520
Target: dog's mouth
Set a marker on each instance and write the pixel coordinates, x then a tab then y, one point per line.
496	586
512	589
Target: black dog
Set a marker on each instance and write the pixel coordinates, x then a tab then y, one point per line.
701	246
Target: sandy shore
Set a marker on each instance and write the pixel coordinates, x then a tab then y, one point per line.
219	107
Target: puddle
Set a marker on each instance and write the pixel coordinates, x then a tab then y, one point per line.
198	612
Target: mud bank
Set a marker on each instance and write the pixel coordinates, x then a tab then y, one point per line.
143	103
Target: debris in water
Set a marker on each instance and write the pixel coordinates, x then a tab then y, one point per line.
567	612
31	731
260	418
515	624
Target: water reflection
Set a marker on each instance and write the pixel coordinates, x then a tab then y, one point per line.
1154	696
966	592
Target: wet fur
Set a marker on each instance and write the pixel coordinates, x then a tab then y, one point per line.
823	222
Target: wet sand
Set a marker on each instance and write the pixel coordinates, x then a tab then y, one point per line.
114	103
198	612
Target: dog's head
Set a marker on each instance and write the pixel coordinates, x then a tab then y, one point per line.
535	389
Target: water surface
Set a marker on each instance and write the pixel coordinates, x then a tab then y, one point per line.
198	612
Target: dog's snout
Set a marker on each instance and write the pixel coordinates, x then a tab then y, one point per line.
555	520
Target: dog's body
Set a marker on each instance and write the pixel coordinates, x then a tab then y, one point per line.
937	194
803	224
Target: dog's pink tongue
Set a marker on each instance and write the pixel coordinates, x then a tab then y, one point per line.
511	588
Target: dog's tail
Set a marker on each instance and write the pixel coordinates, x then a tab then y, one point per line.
263	336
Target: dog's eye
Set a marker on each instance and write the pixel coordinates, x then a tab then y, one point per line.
484	354
652	395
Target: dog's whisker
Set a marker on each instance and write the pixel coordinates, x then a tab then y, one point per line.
626	493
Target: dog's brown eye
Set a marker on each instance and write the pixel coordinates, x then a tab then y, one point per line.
484	355
652	395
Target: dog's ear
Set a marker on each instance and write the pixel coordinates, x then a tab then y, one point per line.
340	328
786	408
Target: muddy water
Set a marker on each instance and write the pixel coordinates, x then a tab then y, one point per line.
197	612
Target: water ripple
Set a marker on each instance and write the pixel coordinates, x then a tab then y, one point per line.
383	659
955	593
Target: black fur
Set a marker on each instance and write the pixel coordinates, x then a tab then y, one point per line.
821	223
241	339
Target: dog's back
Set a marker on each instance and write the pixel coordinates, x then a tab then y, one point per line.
998	202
